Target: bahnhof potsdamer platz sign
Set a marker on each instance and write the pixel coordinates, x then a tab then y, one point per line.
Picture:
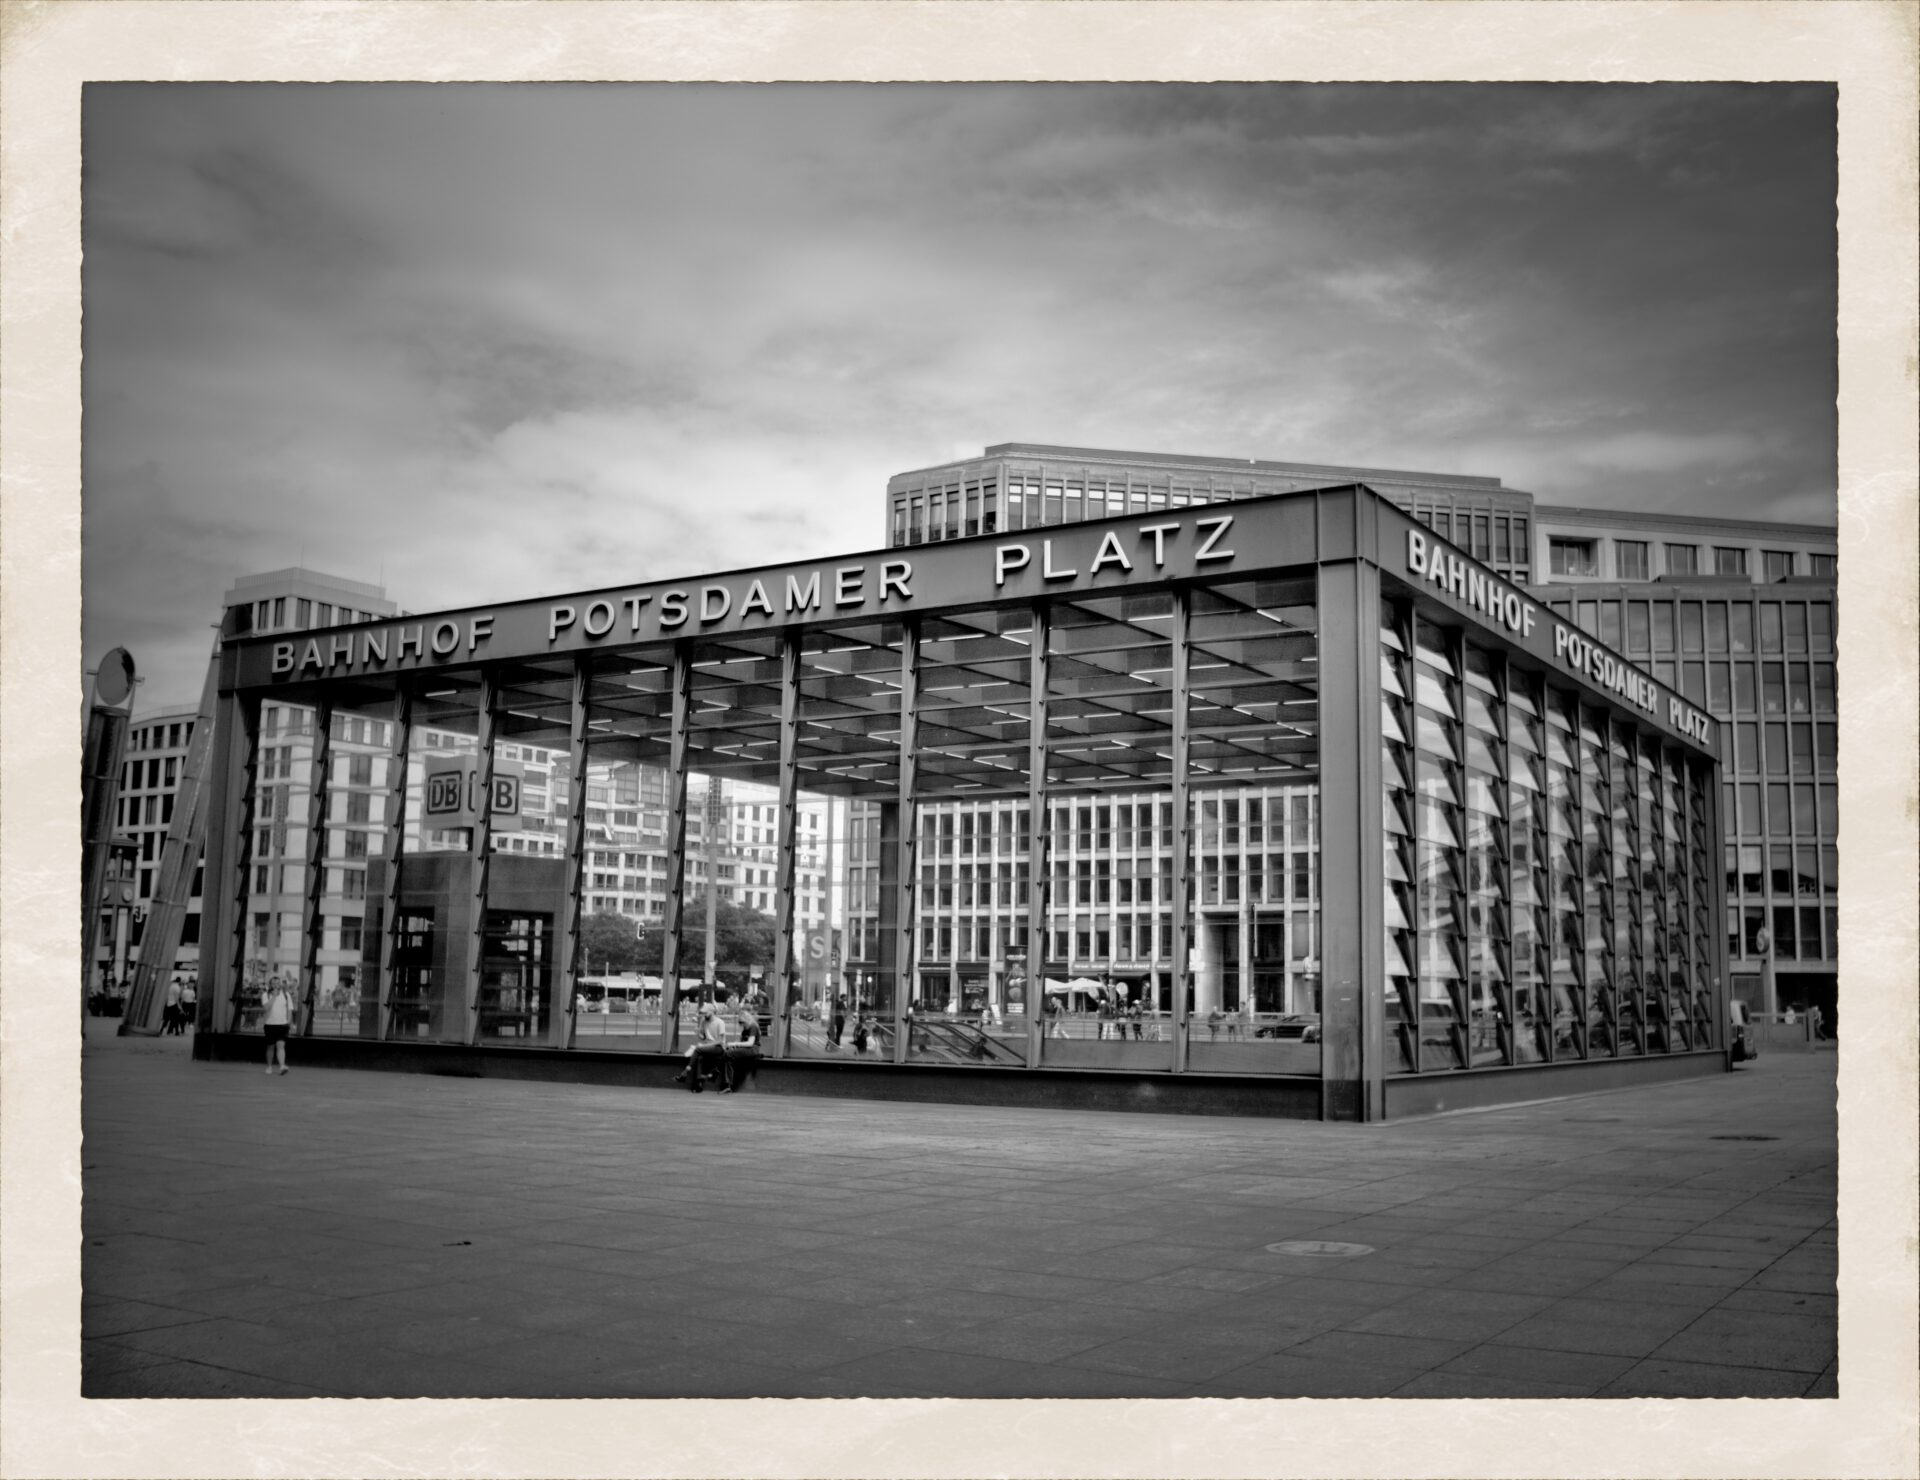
1334	822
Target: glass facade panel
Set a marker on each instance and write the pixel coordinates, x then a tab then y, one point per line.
1254	998
1398	811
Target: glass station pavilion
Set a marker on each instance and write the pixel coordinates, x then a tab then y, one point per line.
1501	838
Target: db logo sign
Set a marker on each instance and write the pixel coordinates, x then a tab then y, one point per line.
446	792
453	796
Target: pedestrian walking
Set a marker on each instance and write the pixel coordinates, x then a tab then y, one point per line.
189	1000
839	1026
170	1019
277	1021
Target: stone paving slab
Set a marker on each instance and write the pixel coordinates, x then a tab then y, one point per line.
343	1233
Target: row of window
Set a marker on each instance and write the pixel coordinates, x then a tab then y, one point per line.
1569	555
1031	501
1802	748
278	612
151	774
161	737
1495	538
150	811
1736	627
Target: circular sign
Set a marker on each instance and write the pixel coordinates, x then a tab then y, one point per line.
1762	941
1313	1248
114	682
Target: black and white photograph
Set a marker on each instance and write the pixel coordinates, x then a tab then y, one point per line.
1204	716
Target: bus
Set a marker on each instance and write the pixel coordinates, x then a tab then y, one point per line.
617	994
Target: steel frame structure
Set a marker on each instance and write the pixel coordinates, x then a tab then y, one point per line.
835	699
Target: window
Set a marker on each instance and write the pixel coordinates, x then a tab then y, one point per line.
1820	565
1683	560
1631	558
1777	564
1729	560
1570	557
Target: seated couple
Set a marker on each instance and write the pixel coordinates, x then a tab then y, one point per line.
715	1055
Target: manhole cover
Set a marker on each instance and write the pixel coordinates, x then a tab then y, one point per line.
1319	1249
1743	1138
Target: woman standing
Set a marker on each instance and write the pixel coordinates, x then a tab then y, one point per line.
277	1020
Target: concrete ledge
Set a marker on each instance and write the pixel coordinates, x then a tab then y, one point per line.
1056	1089
1471	1089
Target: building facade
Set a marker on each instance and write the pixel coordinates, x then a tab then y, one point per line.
1391	834
1737	615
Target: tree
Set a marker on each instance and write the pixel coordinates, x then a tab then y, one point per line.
608	943
743	939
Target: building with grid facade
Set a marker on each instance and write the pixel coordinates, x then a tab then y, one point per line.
1737	615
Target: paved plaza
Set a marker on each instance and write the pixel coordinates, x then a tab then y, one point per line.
347	1233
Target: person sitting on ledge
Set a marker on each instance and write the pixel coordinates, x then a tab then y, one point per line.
740	1059
708	1053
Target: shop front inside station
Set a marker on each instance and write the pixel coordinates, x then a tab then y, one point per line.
1285	793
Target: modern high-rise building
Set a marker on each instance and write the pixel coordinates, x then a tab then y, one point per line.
1737	615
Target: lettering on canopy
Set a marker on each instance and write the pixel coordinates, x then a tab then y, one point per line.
1097	555
1441	570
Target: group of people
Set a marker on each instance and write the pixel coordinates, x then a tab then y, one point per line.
726	1050
1117	1017
866	1027
1114	1019
182	996
1816	1021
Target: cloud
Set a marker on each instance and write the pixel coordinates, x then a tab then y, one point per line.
482	342
1666	452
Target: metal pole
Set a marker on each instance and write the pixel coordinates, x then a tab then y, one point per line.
716	819
671	942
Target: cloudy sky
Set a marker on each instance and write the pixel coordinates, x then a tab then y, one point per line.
480	343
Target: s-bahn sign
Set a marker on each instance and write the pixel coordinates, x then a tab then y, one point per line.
1282	534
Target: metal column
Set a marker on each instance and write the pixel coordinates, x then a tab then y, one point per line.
1039	833
560	1017
906	883
312	921
236	749
393	847
676	844
1352	866
782	983
1182	760
481	856
173	880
